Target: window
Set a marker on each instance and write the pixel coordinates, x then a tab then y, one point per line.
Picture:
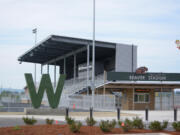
146	97
135	98
141	97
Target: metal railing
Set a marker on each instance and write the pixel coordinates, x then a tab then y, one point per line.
71	86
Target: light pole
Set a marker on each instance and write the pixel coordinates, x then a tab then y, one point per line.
93	53
34	31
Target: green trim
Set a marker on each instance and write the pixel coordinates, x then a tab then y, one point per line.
45	84
131	76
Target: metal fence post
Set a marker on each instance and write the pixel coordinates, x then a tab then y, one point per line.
67	112
175	114
146	114
118	113
91	112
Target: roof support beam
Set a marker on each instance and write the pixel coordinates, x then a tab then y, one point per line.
70	40
47	53
60	48
66	55
77	42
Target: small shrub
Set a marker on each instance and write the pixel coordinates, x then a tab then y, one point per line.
69	120
138	123
113	123
107	126
90	121
126	125
104	126
165	124
176	125
75	126
29	121
156	125
49	121
16	128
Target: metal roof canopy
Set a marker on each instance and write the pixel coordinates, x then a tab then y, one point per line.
55	48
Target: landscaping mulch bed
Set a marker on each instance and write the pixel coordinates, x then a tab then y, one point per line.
64	130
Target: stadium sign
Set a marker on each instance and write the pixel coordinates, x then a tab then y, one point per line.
45	85
131	76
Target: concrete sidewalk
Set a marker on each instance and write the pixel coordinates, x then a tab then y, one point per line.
153	115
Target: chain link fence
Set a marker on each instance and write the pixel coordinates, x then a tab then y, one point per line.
83	102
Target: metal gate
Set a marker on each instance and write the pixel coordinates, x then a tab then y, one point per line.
167	101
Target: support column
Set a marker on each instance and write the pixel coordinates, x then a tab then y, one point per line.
74	67
41	69
133	98
55	76
105	78
161	98
59	70
47	69
173	98
35	75
104	89
64	65
87	69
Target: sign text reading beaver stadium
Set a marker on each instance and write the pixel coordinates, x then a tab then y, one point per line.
131	76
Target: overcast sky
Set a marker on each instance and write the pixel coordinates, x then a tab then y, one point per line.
152	25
